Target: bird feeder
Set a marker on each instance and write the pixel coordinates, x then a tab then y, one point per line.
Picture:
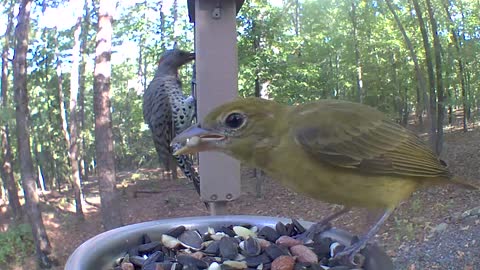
216	65
216	82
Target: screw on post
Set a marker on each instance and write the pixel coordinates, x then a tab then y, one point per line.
217	11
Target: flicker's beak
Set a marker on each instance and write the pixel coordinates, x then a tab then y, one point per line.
191	56
197	140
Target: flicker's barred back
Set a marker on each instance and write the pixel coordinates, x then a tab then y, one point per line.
168	112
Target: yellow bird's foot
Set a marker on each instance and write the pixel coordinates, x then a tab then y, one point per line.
314	230
321	226
350	256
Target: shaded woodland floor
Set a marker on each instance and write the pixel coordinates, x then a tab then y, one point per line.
426	232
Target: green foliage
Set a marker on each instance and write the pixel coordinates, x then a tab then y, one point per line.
132	139
295	52
16	243
6	115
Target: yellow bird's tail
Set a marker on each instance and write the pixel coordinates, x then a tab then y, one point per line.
464	184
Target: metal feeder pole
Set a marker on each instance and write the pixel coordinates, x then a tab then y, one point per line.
216	82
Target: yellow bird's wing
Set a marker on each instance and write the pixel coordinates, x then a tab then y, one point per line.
355	136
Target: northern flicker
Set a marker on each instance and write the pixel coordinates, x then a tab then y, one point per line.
168	112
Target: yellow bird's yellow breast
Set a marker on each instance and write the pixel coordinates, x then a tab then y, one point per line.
337	185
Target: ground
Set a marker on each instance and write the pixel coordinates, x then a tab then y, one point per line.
426	232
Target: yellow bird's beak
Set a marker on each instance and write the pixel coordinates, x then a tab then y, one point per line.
196	140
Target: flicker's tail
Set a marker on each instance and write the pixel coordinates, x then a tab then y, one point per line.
163	151
185	163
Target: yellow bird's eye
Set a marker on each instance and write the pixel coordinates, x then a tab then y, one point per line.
234	120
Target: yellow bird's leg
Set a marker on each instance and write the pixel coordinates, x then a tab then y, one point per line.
321	226
347	256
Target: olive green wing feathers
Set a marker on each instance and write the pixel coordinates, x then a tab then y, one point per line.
358	137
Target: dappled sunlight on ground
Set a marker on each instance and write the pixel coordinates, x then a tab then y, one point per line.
50	222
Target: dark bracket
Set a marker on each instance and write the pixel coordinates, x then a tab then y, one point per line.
191	8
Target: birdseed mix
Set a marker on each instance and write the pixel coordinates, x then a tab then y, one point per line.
234	247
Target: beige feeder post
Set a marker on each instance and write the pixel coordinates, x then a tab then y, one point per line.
216	82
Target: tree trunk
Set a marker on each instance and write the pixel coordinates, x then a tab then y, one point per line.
421	84
73	127
61	102
359	79
39	162
6	167
337	76
38	139
461	73
104	150
162	26
81	90
398	101
174	23
449	67
41	179
406	112
466	77
297	18
145	70
467	82
42	244
450	114
438	72
140	74
431	76
6	171
141	41
3	190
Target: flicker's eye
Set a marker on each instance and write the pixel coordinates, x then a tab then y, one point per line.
234	120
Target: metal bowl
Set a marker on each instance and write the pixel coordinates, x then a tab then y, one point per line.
100	251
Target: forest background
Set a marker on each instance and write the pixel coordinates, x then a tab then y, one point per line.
415	60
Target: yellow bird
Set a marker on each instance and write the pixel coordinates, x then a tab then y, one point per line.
331	150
